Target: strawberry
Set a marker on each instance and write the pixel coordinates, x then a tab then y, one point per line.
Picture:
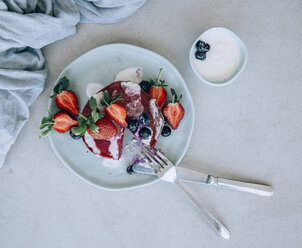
65	99
106	129
158	91
115	111
61	122
68	101
174	112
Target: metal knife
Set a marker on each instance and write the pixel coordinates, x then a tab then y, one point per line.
184	174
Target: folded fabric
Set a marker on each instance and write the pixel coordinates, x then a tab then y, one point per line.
25	27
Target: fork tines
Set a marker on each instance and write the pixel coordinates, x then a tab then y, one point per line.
158	162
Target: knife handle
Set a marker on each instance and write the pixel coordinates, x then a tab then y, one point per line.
254	188
192	176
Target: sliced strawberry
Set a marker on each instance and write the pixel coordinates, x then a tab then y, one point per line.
63	122
174	111
159	94
158	91
67	100
117	113
106	129
113	110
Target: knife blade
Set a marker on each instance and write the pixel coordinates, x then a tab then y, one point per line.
183	174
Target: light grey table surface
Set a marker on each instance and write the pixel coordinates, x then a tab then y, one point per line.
250	129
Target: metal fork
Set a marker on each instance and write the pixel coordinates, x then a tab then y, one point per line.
167	172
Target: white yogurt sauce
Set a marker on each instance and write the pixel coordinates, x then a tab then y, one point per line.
91	143
223	58
133	74
130	151
113	147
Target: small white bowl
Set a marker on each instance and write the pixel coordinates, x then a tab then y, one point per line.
237	71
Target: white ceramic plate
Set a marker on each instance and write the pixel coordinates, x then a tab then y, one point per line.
100	65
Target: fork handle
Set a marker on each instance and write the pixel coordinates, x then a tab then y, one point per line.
216	224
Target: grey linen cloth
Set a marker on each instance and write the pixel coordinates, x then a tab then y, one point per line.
25	27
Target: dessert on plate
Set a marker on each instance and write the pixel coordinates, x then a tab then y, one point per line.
139	106
129	102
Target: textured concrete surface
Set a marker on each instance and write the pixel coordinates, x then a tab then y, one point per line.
249	129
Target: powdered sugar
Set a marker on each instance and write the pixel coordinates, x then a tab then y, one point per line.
131	89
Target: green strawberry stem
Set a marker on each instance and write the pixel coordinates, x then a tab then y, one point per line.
174	96
158	77
107	101
48	123
83	116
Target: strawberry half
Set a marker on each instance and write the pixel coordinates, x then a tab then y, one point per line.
174	111
115	111
158	91
65	99
63	122
68	101
106	129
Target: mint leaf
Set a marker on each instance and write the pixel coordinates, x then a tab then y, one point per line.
93	128
56	89
50	114
46	124
45	132
82	122
95	116
106	98
92	103
46	120
79	130
64	83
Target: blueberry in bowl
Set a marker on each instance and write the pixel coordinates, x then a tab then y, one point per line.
200	55
202	46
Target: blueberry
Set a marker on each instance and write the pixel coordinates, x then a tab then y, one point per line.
144	133
166	131
200	55
132	124
145	85
130	169
76	137
144	119
201	46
